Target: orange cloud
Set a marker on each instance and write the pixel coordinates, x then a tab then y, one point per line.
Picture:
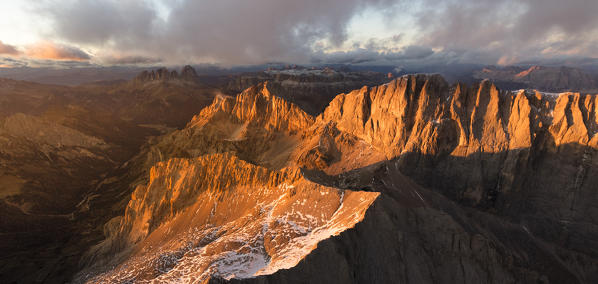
8	49
53	51
507	60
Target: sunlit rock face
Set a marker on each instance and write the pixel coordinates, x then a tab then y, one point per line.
218	216
310	89
257	106
410	181
245	211
424	122
528	155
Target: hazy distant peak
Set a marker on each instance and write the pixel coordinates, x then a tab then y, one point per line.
163	74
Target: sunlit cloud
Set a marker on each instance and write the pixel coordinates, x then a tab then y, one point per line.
6	49
507	60
53	51
260	31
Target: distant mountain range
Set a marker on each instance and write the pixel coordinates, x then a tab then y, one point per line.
267	177
236	78
550	79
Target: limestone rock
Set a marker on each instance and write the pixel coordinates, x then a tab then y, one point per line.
219	216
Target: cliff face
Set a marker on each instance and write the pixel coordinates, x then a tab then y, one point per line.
256	125
219	216
413	235
475	185
514	172
309	89
256	107
529	156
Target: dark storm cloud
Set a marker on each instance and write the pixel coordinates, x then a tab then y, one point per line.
257	31
367	55
220	31
129	60
7	49
125	23
262	29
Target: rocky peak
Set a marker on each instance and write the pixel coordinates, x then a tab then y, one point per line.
163	74
386	115
188	73
256	106
416	112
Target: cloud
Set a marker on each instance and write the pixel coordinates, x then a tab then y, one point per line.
507	60
371	56
233	32
109	22
258	31
128	60
504	30
7	49
52	51
8	62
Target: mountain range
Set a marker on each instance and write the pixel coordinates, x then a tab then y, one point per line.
545	78
410	179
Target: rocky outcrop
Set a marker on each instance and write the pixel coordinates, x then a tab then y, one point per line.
153	204
529	156
256	125
386	116
163	74
496	151
219	216
188	73
256	106
310	89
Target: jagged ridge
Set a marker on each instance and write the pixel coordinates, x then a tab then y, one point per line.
217	215
163	74
414	113
256	106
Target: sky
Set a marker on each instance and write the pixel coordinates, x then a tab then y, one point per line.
240	32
